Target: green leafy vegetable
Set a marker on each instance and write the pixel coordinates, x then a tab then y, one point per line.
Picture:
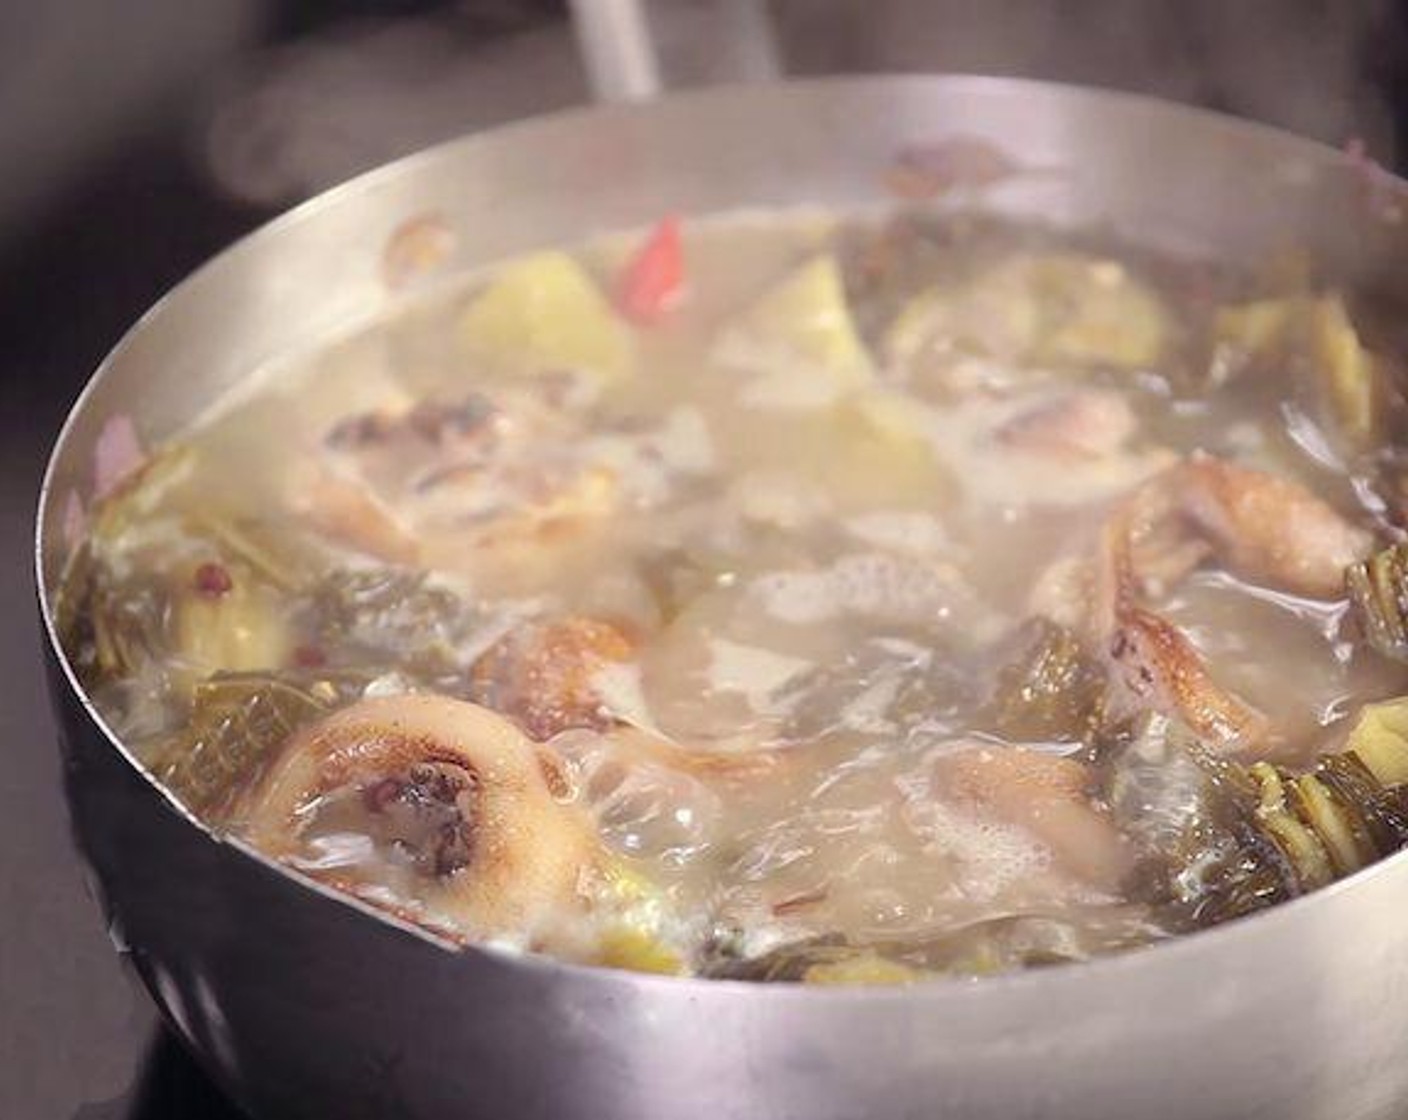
1378	596
394	618
237	723
134	508
1043	309
999	944
1048	689
1222	840
1277	811
112	627
272	556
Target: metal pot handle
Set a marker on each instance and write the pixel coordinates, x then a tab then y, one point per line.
625	48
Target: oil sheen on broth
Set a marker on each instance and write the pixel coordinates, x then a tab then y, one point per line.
790	598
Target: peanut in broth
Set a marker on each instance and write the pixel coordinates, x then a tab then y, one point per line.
906	597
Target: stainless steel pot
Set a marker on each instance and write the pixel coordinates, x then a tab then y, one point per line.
304	1004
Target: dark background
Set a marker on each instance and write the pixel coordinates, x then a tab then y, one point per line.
139	137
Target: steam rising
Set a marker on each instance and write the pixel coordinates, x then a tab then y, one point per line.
310	115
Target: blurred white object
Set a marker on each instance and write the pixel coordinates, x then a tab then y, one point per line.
617	50
626	44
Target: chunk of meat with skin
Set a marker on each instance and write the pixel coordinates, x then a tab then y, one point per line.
1150	663
1077	424
1154	666
1045	795
410	449
535	506
495	853
633	746
543	675
1058	449
1263	527
346	511
479	486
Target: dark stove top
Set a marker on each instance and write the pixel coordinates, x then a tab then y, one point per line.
169	1084
76	1036
78	1039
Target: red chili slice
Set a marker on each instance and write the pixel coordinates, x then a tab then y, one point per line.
653	280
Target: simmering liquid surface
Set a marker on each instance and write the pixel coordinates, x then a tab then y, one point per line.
801	598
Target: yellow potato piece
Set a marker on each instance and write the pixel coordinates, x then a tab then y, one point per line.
1350	376
883	451
631	942
543	314
242	630
1380	739
1256	326
913	326
864	969
1346	374
805	319
890	417
637	951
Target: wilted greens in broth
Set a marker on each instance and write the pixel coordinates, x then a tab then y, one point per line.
788	598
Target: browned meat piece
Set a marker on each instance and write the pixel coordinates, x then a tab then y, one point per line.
1264	528
1045	795
456	802
542	675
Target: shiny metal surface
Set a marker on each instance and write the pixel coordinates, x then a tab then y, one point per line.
306	1006
614	38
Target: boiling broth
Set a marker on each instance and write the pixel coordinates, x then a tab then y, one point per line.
863	600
